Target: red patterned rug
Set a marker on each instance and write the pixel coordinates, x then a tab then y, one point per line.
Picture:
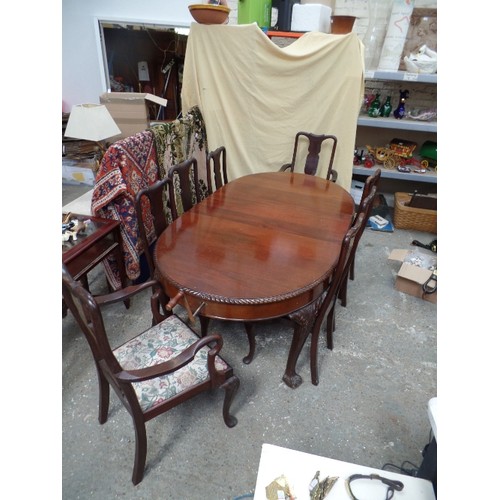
128	166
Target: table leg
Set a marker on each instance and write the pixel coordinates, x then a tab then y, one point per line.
120	263
249	327
303	319
204	321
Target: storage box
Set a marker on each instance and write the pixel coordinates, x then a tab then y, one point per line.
406	217
130	110
411	276
357	191
311	17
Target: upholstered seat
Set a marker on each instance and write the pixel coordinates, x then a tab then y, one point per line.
162	343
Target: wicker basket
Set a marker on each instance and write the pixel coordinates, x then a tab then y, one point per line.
405	217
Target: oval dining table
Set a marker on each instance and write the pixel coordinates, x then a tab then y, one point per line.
262	246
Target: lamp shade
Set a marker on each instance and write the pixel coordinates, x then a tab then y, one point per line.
91	122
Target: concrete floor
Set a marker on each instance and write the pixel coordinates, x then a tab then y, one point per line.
370	407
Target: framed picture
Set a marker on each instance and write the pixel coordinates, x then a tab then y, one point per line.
422	31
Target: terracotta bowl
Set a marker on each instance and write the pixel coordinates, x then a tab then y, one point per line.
209	14
342	25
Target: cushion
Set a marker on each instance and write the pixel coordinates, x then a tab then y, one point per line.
157	345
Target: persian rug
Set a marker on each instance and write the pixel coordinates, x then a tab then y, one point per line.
128	166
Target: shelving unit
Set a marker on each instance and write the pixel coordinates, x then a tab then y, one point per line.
393	123
429	177
379	131
401	76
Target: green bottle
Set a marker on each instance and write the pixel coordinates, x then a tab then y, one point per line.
386	109
374	110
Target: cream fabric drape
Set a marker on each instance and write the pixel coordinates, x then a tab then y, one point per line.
255	96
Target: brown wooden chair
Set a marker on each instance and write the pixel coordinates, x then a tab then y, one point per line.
155	370
154	213
329	298
216	169
323	304
315	143
371	181
185	188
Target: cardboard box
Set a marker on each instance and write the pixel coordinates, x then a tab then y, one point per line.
411	276
130	110
78	171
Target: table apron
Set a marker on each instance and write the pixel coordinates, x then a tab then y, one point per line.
244	309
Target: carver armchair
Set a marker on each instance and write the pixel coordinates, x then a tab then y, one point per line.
155	370
315	143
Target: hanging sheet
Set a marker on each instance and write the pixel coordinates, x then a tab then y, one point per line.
255	96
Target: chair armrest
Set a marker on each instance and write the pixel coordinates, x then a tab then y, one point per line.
124	293
174	364
285	167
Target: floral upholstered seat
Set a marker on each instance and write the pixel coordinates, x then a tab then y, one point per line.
161	343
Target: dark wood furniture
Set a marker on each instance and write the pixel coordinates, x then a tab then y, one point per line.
185	188
260	247
216	169
154	212
153	371
100	240
366	202
311	316
314	144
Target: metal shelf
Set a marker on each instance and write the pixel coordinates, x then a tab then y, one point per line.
430	177
404	124
401	76
395	124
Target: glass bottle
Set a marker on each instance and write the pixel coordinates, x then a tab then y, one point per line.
386	109
374	110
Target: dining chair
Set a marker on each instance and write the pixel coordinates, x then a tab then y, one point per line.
315	143
372	180
155	370
325	303
184	188
216	169
154	213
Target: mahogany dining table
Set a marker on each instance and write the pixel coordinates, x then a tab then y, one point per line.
261	247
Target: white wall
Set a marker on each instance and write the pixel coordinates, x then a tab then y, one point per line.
82	69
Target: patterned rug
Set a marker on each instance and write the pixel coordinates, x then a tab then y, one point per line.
128	166
138	161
